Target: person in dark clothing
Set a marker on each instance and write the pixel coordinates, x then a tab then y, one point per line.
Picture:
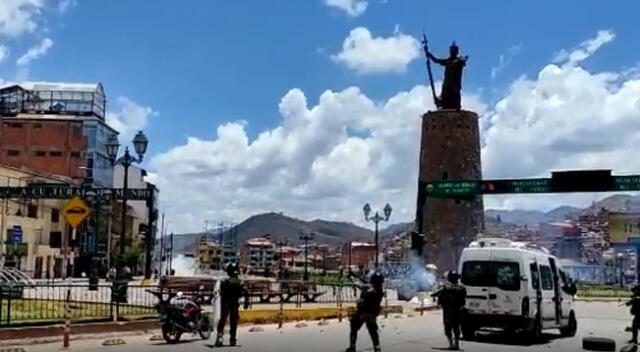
634	303
367	310
231	290
451	297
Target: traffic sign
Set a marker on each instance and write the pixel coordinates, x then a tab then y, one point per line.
626	183
562	182
535	185
16	234
76	211
453	188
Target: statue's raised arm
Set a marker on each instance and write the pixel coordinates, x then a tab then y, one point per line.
450	96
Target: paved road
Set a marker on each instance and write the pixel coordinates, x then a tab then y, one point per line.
419	333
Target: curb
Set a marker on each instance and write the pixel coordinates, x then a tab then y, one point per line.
53	333
56	331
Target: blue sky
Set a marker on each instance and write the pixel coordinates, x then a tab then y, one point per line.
203	63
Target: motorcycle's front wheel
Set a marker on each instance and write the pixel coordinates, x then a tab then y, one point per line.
205	328
171	333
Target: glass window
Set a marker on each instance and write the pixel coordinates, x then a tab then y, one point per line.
90	132
503	275
13	152
55	215
535	276
547	280
32	211
56	153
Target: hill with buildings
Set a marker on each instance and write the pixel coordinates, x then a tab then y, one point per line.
280	228
284	228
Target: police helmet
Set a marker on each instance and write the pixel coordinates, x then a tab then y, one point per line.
453	277
232	269
376	279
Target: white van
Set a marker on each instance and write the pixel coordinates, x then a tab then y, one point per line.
516	287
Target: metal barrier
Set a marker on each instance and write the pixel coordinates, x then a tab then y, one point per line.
41	304
44	303
300	292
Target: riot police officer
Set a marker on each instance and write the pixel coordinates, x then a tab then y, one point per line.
634	303
367	310
451	297
231	290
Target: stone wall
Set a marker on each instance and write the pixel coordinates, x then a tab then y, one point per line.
450	150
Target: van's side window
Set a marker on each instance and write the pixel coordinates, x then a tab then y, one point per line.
547	279
535	276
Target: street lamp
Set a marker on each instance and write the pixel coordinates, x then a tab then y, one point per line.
377	218
306	237
140	143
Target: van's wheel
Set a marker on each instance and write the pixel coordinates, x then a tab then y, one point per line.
571	328
468	332
535	333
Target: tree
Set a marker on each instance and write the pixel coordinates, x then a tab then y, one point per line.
133	255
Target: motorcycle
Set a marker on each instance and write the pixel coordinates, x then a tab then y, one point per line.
181	316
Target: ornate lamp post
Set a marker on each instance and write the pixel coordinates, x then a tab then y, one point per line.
377	218
140	143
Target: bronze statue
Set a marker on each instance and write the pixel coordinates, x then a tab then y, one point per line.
452	85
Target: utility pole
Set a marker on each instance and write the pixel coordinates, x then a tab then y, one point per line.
306	237
221	233
161	246
171	254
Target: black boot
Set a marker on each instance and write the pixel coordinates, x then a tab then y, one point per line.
233	341
218	341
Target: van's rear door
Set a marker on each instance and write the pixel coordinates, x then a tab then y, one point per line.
474	269
506	294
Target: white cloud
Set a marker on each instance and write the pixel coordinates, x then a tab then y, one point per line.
322	161
66	5
129	118
565	118
585	49
35	52
371	55
4	53
18	17
505	59
327	160
353	8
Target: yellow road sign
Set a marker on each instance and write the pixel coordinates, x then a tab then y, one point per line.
76	211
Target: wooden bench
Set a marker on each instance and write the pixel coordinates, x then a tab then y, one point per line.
296	288
199	288
261	289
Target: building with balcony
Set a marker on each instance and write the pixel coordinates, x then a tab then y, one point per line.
258	256
56	128
358	254
213	256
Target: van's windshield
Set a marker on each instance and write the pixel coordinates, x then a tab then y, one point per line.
503	275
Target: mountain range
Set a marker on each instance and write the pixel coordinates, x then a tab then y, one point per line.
284	228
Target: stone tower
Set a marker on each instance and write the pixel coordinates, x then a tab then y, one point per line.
450	150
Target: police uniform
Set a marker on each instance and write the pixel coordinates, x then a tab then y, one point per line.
367	310
451	297
634	303
231	290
